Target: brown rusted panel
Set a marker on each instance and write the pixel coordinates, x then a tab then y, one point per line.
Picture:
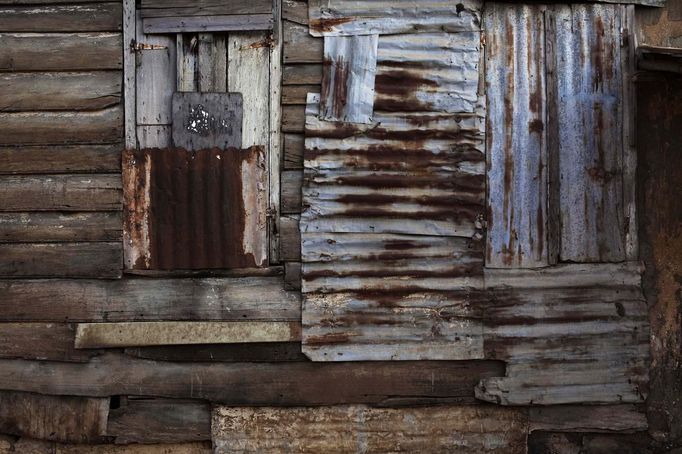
195	210
361	429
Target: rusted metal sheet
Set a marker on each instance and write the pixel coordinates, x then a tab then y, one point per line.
590	117
569	334
517	136
195	210
205	120
366	17
360	429
348	78
434	72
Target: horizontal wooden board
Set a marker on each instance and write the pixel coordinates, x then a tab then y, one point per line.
183	8
588	418
41	341
60	51
101	17
301	74
95	260
58	418
295	11
145	420
150	299
59	90
360	429
26	445
290	198
96	192
260	352
61	159
387	383
188	24
297	94
130	334
39	128
553	442
293	151
49	227
299	46
293	119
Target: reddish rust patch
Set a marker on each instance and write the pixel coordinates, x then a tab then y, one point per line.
327	25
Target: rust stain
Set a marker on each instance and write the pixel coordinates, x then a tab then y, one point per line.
327	25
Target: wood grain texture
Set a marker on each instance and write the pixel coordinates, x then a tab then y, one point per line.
59	91
300	74
155	79
293	151
157	8
148	299
41	341
99	17
145	420
292	275
291	199
58	227
297	94
41	128
29	446
293	119
588	418
290	238
360	429
269	352
295	11
129	73
61	159
212	62
222	23
131	334
60	51
57	418
299	46
544	442
187	51
95	192
286	384
94	260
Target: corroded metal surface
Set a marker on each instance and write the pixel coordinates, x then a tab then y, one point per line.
569	334
363	17
348	78
360	429
188	210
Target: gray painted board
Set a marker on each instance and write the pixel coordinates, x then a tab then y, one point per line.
207	120
236	22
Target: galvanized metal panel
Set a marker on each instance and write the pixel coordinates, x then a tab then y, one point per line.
517	136
348	78
590	120
195	210
364	17
361	429
569	334
206	120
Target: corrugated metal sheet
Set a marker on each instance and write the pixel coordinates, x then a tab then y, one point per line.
572	333
196	210
365	17
389	267
517	136
348	78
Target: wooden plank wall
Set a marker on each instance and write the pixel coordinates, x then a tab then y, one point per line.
61	129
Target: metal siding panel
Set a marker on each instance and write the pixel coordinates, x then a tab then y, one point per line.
364	17
348	78
517	136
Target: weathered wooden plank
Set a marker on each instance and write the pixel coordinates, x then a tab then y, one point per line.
570	334
293	151
222	23
41	341
339	18
133	334
295	11
94	260
155	79
207	6
154	136
291	200
26	445
588	418
187	49
140	420
205	120
361	429
287	384
61	159
275	130
60	51
48	2
268	352
59	91
290	239
299	46
129	73
248	66
39	128
247	298
517	137
96	192
96	17
293	119
48	227
350	64
297	94
212	63
302	74
544	442
590	99
58	418
292	275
